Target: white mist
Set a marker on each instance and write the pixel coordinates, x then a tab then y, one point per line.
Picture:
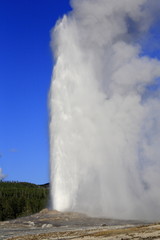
105	126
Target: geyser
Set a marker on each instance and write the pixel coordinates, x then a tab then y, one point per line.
105	112
2	176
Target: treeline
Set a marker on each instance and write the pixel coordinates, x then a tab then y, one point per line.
19	199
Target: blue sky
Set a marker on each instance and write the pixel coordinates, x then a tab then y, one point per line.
25	74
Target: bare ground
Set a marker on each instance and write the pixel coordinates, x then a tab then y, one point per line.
50	225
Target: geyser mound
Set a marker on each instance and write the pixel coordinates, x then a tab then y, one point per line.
105	118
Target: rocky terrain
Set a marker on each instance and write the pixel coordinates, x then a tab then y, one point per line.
50	225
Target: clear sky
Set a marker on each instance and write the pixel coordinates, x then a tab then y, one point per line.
25	74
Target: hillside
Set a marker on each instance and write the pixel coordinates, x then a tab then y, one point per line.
19	199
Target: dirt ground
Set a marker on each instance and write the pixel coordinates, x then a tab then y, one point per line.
50	225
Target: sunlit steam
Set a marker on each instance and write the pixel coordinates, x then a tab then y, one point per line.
105	114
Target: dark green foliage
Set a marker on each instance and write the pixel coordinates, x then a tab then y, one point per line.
21	199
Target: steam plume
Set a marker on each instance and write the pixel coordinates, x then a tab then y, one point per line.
2	176
105	118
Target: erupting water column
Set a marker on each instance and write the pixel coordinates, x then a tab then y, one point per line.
105	118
